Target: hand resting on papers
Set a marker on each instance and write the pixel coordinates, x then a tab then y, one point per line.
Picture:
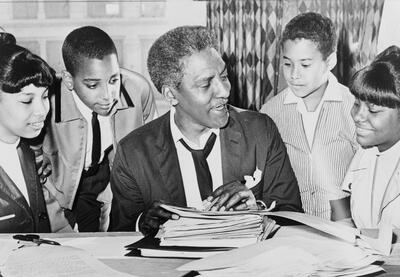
231	196
152	218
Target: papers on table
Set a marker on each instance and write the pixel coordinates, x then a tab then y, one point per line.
290	255
380	245
6	248
111	247
48	260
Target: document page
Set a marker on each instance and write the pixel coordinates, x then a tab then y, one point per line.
54	261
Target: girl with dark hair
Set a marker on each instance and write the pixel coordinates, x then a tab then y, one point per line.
373	177
24	82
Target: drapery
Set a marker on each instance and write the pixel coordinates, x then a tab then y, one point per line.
249	33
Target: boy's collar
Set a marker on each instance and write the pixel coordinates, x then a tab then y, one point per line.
330	93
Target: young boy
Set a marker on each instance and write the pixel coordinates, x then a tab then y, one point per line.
313	112
93	107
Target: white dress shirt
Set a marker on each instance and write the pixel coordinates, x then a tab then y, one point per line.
105	131
186	164
9	161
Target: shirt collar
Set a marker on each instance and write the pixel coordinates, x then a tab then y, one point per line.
392	151
330	94
177	134
85	110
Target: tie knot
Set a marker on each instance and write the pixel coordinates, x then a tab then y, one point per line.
207	148
94	114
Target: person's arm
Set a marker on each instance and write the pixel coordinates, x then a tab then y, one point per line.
340	211
127	202
149	104
144	88
279	182
58	221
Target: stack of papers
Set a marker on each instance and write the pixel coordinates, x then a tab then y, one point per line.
213	229
150	247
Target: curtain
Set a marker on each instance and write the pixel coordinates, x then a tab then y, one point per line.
249	32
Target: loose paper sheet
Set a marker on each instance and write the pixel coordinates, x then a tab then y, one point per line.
50	261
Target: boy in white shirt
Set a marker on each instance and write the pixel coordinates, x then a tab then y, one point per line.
313	112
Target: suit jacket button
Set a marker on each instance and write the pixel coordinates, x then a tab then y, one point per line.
43	216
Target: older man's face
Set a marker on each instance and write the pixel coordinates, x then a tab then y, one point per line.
204	91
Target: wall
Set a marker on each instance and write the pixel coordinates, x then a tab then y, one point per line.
389	33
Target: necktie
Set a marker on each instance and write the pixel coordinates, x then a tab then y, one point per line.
203	174
96	146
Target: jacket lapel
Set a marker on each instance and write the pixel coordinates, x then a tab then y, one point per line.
168	163
231	140
11	192
392	191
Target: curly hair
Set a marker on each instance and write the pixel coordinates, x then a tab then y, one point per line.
164	60
86	42
314	27
379	83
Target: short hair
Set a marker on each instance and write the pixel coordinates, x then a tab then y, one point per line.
164	60
7	38
379	83
86	42
314	27
19	68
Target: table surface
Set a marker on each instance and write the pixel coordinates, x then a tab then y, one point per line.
142	266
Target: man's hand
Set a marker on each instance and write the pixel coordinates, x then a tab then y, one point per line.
232	196
152	219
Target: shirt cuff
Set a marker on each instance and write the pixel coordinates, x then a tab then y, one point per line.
261	205
137	223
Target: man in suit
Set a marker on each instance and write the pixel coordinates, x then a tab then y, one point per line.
159	162
94	105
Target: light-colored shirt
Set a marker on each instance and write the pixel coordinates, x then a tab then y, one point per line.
368	180
9	161
186	163
309	118
105	131
319	166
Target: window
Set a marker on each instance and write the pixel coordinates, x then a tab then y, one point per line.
54	57
57	9
104	9
32	45
25	10
152	9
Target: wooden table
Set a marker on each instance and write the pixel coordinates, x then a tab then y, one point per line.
141	266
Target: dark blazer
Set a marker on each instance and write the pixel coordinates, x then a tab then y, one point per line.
26	218
146	166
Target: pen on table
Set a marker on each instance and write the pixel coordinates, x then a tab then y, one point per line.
35	239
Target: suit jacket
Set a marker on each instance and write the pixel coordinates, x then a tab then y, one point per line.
66	134
24	218
146	166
